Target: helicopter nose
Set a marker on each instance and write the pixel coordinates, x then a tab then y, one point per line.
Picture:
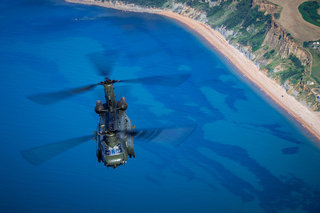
114	161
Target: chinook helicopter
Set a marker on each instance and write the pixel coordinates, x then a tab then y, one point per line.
115	131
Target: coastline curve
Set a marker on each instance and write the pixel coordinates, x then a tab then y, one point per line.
308	119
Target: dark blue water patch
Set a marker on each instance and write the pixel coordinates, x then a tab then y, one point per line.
274	129
226	178
290	150
277	194
227	88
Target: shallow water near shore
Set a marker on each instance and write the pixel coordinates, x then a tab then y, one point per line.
246	155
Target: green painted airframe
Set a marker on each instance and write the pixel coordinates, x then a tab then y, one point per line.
115	131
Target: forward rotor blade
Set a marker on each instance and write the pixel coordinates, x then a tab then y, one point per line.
167	80
40	154
49	98
175	135
103	61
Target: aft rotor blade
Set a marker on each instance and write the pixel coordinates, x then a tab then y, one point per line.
174	135
166	80
49	98
40	154
103	61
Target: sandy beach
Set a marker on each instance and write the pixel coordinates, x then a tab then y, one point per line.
310	120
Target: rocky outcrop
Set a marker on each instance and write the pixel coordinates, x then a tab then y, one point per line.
281	41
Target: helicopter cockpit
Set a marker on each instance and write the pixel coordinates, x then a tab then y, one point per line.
114	150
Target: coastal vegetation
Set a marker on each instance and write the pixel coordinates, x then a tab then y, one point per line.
293	72
314	48
269	54
315	64
249	23
309	12
246	21
247	26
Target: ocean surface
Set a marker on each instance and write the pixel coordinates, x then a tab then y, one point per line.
246	154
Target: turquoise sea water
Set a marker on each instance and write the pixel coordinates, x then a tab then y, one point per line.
246	154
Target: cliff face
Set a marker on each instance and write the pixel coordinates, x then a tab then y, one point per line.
276	36
278	39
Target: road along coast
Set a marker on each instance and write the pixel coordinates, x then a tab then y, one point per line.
309	119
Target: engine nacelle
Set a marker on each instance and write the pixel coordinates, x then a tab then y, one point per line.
99	107
122	104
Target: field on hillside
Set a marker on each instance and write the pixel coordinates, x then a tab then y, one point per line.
309	12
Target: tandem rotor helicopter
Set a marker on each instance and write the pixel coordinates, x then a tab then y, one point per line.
115	131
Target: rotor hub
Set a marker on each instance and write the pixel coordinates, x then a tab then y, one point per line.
109	81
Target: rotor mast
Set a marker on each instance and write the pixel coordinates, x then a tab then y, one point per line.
111	102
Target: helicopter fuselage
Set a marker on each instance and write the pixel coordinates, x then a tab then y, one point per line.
113	147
